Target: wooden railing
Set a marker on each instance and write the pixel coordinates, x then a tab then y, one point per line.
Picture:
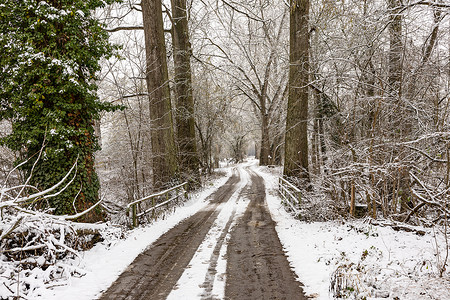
133	207
290	194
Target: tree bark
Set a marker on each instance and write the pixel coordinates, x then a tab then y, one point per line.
296	140
395	51
185	123
164	160
401	125
265	143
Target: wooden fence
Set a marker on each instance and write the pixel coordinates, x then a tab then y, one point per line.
290	195
150	203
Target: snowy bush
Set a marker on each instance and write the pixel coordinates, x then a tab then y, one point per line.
39	252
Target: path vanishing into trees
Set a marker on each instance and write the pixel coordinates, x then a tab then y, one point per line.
228	250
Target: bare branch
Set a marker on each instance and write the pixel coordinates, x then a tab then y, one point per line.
124	28
242	12
129	96
429	3
11	229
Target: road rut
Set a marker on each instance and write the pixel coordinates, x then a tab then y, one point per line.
257	267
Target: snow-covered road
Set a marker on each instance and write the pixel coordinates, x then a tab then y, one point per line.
230	249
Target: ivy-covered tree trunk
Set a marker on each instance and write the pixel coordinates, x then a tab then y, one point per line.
51	52
165	165
185	123
296	139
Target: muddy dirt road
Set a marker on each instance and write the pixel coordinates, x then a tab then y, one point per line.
229	250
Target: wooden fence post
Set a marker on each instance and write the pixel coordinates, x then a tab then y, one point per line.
352	200
133	212
153	205
167	199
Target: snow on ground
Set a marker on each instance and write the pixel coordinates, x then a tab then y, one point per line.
367	262
105	262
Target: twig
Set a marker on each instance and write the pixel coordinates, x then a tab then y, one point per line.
444	263
11	229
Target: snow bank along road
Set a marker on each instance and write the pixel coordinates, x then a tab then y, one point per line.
229	250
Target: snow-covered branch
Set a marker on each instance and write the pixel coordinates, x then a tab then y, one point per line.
125	28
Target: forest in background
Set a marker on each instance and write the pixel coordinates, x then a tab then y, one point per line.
377	89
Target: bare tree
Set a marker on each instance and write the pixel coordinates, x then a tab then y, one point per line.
250	47
212	106
375	65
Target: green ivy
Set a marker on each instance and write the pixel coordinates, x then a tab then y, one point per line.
50	57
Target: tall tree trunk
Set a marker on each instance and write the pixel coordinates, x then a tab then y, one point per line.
395	52
398	121
185	123
296	140
165	165
265	143
401	124
315	159
323	148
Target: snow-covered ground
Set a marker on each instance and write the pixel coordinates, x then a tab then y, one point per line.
365	261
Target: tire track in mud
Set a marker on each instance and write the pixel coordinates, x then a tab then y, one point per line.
154	273
208	284
257	267
209	261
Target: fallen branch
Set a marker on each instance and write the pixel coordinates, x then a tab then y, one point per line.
30	248
11	229
399	227
413	211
